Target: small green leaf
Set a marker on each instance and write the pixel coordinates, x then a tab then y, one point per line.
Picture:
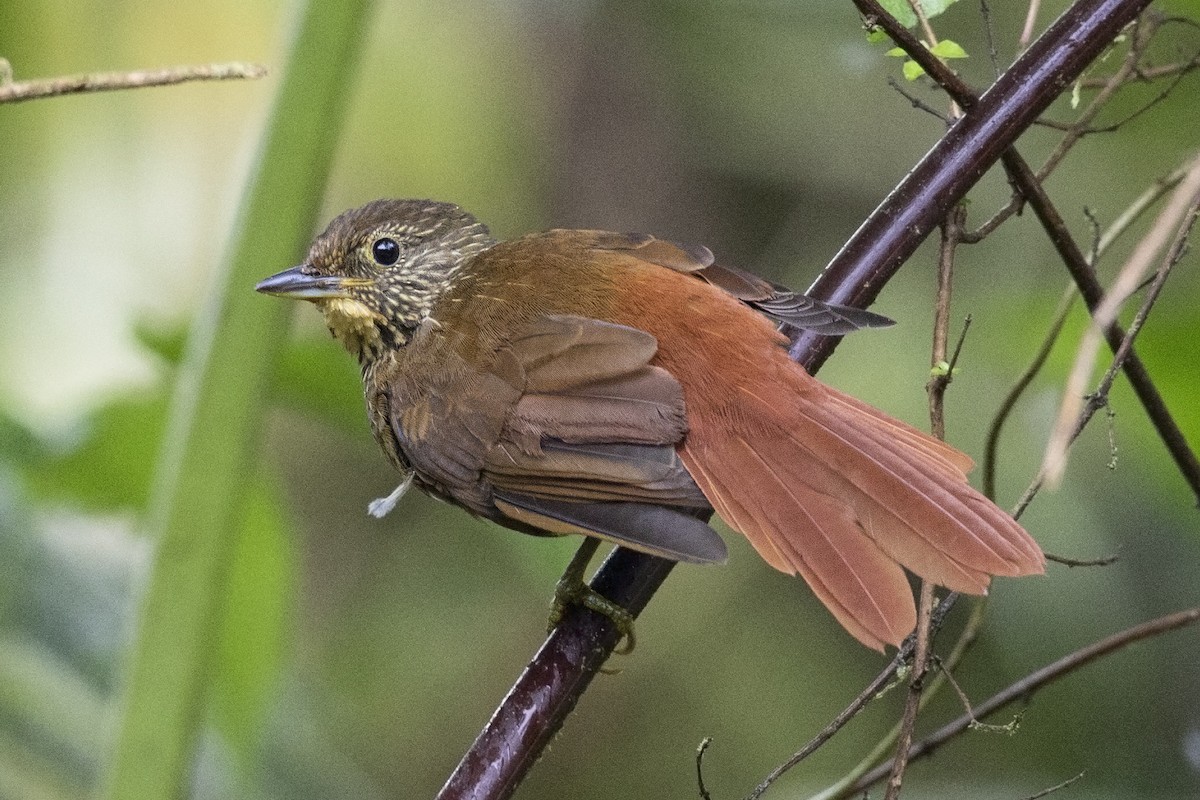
901	10
913	70
1075	92
940	370
933	8
948	48
897	52
876	35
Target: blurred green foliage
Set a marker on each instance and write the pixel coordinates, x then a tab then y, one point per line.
361	656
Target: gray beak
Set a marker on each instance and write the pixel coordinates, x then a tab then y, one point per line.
295	284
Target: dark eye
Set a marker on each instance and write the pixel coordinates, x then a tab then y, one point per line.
385	251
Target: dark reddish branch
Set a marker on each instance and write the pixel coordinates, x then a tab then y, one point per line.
548	689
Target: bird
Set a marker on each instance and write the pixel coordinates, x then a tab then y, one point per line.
624	387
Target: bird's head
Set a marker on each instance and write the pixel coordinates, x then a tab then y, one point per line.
376	271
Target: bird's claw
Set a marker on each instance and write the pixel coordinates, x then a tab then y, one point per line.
572	590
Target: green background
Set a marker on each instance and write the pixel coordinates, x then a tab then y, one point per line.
358	658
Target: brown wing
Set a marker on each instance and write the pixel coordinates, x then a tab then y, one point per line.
777	302
590	445
570	430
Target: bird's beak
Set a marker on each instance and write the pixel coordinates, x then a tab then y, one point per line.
295	284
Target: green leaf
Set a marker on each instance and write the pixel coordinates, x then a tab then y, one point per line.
111	466
947	48
897	52
913	70
220	400
316	377
876	35
933	8
901	10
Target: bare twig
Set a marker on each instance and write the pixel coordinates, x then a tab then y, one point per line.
923	21
992	444
985	12
17	91
1030	21
917	102
874	689
1100	246
1055	787
942	372
916	683
700	751
1031	683
1076	130
1183	201
1102	561
1150	73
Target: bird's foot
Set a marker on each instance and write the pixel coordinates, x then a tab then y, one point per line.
571	589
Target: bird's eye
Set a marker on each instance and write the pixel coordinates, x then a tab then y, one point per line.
385	252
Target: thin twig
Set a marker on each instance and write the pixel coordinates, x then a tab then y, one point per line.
1102	561
1147	74
700	751
992	444
917	102
989	32
1183	201
1030	21
1099	398
1056	787
874	689
1031	683
942	372
912	701
17	91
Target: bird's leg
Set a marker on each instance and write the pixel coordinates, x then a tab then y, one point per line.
571	589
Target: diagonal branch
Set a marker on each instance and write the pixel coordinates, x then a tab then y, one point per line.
562	669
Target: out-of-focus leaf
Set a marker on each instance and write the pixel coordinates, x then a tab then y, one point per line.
315	376
318	378
112	465
57	709
913	70
165	342
256	619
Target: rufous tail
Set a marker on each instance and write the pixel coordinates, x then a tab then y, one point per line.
829	488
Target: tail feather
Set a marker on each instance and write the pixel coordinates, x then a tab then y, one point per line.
902	485
864	589
827	487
